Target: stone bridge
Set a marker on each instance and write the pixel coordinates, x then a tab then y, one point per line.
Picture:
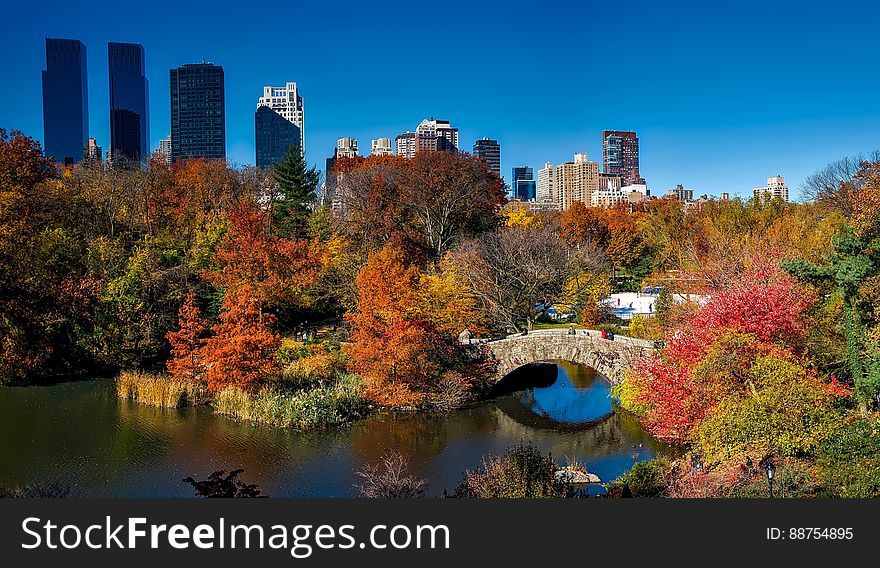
610	357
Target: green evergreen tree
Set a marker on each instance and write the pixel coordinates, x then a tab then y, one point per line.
297	187
854	261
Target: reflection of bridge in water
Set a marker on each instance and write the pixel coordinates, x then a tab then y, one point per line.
611	357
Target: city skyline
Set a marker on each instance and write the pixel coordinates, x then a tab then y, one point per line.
719	121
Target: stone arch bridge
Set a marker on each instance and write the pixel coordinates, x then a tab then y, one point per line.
611	357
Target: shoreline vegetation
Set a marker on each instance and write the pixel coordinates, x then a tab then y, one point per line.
204	269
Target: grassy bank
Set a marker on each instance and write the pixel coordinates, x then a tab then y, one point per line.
322	405
159	390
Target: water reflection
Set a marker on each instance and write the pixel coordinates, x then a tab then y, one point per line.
81	434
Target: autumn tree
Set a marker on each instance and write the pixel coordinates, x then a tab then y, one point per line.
187	342
431	201
707	359
275	269
392	345
518	273
297	186
242	351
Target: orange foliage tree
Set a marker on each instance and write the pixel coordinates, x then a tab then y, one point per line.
187	342
243	349
395	345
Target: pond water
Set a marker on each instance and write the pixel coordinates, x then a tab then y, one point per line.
80	435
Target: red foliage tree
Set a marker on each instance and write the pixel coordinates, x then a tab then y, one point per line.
672	389
273	268
187	342
242	351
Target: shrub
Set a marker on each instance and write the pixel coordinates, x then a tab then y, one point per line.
160	390
312	364
389	479
645	328
849	463
327	404
644	479
788	413
522	473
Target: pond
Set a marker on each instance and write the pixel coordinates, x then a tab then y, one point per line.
79	434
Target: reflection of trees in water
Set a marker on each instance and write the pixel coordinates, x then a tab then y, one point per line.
417	435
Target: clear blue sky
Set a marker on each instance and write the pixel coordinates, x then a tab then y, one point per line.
722	96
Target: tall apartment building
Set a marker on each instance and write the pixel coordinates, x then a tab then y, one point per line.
775	188
432	135
522	183
406	144
129	104
575	181
620	156
93	153
164	150
346	148
198	112
681	194
381	147
65	101
279	123
545	183
489	150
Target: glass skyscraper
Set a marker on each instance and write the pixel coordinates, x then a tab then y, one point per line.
65	100
274	136
521	190
129	103
198	112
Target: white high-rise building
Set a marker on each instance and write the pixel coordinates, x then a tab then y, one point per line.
775	188
381	147
545	183
165	149
288	103
347	148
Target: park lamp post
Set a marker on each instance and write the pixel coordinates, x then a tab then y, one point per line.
770	470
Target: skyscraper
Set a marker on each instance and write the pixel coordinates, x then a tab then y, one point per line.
523	183
274	137
129	103
198	112
489	150
620	156
65	100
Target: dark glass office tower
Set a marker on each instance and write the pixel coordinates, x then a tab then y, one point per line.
198	112
519	189
274	136
129	103
65	100
490	151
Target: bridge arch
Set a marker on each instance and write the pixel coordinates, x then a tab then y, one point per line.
609	357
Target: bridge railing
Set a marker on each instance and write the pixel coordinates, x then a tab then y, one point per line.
562	332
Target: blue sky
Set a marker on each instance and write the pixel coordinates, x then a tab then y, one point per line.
722	96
